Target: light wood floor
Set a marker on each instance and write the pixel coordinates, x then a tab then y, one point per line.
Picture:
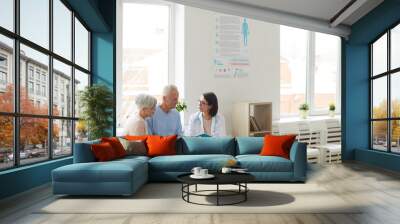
378	188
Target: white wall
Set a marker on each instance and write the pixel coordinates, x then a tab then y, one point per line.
262	83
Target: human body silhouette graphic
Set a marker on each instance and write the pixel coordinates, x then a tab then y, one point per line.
245	31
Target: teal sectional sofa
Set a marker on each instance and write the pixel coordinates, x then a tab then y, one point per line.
125	176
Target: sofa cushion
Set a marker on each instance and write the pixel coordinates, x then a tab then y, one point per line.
161	145
136	137
112	171
257	163
103	152
134	147
210	145
249	145
277	145
116	145
185	163
133	158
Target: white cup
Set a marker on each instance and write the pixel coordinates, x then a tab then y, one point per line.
226	170
196	171
203	172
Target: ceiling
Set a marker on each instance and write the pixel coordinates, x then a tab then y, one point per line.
326	16
318	9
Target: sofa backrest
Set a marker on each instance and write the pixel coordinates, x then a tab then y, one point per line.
249	145
206	145
83	152
190	146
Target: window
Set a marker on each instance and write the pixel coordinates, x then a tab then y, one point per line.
62	137
6	142
146	54
44	91
30	72
81	45
37	90
309	71
6	74
293	66
35	21
7	14
3	78
81	81
45	130
33	147
55	102
37	74
63	72
379	56
40	62
62	29
30	87
3	61
326	71
385	93
395	47
3	72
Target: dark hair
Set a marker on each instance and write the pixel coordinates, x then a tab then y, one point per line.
212	101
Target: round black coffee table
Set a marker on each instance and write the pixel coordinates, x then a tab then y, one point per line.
238	179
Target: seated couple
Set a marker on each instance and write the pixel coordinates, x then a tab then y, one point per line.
164	119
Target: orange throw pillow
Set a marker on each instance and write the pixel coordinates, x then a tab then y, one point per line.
116	145
103	152
161	145
277	145
136	138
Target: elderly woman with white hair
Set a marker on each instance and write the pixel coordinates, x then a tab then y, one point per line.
136	125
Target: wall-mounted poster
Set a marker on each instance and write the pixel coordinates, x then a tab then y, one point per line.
231	46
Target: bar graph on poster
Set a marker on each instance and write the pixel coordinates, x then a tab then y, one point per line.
231	46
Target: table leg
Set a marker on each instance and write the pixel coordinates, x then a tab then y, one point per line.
245	192
217	194
182	190
196	187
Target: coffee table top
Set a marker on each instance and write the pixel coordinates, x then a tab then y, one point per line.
220	178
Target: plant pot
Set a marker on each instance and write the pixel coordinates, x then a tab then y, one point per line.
331	113
303	114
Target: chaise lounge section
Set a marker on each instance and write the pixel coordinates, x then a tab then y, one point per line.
125	176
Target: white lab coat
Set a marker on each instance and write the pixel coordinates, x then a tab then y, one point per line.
195	127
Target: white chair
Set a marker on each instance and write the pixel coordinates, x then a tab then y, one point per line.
304	134
333	141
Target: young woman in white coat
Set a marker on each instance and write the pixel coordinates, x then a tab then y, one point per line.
207	122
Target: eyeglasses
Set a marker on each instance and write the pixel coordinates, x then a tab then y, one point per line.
202	102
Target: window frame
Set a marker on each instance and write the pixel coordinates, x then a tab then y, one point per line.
310	80
388	74
15	72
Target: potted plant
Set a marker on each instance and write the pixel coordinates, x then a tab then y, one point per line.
181	106
303	108
332	109
96	103
81	129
